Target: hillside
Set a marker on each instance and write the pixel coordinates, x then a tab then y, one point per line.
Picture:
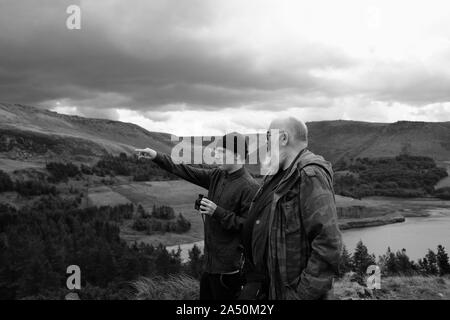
27	132
352	139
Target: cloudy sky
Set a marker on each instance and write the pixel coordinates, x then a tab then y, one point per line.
210	66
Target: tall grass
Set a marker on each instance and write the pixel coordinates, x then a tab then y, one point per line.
397	288
175	287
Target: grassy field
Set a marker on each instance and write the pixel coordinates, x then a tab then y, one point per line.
392	288
178	194
10	165
181	195
105	196
396	288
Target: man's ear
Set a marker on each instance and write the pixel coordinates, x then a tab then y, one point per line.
284	138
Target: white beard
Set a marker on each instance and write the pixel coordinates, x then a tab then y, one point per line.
271	164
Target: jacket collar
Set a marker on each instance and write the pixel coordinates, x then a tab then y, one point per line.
304	158
236	174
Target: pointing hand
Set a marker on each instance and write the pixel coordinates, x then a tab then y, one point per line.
146	153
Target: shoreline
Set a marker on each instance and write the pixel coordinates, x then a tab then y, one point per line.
346	224
343	225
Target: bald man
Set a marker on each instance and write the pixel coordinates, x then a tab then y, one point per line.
291	239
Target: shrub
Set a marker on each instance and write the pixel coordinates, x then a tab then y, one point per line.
62	171
443	193
6	183
34	188
163	212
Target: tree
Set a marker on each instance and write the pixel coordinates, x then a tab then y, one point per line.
361	258
195	262
141	213
163	212
345	264
442	261
431	266
404	265
388	262
6	183
62	171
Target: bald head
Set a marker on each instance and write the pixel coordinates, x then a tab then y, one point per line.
296	129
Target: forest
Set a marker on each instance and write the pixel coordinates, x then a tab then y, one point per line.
53	230
393	263
40	239
401	176
161	219
38	242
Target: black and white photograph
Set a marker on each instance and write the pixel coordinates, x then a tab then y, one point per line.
225	155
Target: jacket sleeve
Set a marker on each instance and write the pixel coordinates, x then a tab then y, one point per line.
198	176
318	209
233	221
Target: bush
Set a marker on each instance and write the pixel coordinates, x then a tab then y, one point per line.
151	225
6	183
195	264
163	212
34	188
139	169
443	193
62	171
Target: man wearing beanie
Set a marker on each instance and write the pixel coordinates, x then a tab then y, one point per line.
230	192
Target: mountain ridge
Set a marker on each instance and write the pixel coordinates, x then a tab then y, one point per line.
23	126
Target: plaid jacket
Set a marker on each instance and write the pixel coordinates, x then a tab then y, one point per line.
305	243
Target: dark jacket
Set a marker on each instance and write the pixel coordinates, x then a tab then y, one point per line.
304	242
232	193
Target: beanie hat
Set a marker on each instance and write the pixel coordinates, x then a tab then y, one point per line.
236	143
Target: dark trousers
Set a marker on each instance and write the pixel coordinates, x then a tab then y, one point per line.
220	286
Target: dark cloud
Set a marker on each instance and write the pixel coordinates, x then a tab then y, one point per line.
155	63
164	55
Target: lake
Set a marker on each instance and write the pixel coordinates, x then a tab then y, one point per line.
416	235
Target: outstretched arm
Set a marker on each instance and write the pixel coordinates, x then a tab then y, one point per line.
198	176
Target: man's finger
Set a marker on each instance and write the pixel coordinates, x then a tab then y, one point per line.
207	202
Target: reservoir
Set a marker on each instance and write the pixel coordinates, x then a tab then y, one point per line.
416	235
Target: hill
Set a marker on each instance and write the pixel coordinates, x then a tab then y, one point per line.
340	139
28	132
